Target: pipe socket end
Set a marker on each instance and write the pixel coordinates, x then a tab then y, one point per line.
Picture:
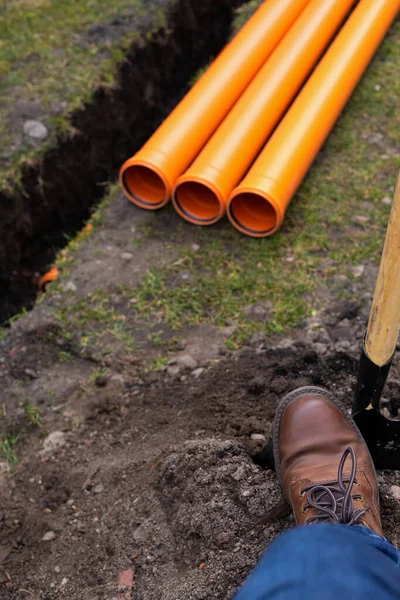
253	214
145	186
198	203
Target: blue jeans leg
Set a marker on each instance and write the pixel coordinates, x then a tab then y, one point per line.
326	562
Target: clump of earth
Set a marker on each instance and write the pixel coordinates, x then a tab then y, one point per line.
154	475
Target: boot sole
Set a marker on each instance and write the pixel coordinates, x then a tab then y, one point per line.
291	397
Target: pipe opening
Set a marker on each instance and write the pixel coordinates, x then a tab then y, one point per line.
145	185
253	213
197	202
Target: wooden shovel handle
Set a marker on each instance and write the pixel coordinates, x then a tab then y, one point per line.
384	320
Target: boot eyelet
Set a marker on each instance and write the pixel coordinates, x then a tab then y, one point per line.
302	494
357	483
361	498
304	509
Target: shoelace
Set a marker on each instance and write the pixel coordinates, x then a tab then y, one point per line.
333	501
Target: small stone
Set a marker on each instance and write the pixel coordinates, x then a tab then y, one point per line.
284	343
185	275
35	130
126	256
186	361
320	348
377	87
50	535
258	437
54	441
70	287
174	370
64	581
57	569
346	323
197	372
311	323
318	335
239	474
386	200
246	493
361	218
31	373
357	270
260	311
99	488
195	247
376	138
395	491
181	345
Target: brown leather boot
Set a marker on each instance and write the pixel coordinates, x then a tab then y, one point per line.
323	464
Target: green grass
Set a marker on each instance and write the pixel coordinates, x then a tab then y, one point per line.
7	449
33	415
46	56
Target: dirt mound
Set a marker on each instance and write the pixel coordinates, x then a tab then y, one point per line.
156	473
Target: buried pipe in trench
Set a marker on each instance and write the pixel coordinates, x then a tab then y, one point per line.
258	204
201	194
148	177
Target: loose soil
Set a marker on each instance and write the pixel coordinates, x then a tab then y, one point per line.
156	473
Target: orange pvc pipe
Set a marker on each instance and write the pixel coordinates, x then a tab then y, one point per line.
47	278
202	193
148	177
258	204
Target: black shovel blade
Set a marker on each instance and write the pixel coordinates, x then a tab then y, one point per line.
382	437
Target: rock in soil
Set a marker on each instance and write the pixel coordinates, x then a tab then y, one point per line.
35	130
54	441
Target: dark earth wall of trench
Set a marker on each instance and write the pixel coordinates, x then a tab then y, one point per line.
58	193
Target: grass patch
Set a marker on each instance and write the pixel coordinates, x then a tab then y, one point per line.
32	415
7	449
58	53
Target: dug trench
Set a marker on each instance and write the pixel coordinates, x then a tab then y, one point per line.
55	195
153	475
